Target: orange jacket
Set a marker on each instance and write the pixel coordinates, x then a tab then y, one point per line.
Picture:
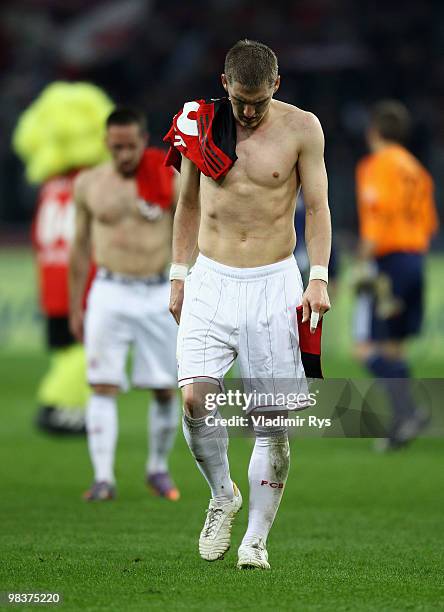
395	201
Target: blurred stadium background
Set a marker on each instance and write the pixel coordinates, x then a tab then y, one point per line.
341	530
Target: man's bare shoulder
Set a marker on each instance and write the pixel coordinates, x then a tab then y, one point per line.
89	176
306	128
301	122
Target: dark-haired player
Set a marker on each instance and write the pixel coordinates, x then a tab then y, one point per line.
239	183
397	219
124	215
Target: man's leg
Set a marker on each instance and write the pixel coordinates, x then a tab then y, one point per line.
384	353
271	363
102	425
107	338
205	352
163	418
208	443
386	361
267	475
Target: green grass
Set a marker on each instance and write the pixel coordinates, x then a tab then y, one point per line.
356	531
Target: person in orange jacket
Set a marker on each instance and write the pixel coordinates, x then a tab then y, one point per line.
397	218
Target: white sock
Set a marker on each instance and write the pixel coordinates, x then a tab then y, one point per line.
267	474
163	419
101	424
209	446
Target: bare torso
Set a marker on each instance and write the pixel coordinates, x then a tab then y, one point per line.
123	239
247	219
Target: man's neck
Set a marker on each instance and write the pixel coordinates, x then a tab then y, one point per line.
380	144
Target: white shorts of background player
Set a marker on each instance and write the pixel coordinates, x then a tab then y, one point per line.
123	315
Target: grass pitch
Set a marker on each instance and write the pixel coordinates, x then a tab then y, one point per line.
356	531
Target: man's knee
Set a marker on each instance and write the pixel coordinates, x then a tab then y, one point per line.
109	390
273	442
194	399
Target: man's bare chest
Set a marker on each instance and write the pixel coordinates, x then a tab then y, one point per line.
111	202
266	159
116	202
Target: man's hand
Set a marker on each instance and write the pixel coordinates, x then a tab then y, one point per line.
76	324
176	299
363	276
315	303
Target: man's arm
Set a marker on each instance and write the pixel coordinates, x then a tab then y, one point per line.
176	188
187	217
79	259
369	198
185	228
314	182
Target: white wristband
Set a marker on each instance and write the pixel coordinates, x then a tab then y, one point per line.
319	273
178	271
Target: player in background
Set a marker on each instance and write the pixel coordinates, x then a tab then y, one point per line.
239	183
58	134
124	217
397	219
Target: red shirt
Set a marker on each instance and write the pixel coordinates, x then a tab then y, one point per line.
52	233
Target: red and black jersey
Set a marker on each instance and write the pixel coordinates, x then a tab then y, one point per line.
205	132
310	346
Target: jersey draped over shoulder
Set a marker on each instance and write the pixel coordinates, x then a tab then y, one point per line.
205	133
154	180
395	202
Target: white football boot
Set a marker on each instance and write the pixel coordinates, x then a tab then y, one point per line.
253	555
215	537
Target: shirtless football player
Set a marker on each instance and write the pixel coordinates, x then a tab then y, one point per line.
240	299
124	220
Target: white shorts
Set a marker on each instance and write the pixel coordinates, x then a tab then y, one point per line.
133	313
243	313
